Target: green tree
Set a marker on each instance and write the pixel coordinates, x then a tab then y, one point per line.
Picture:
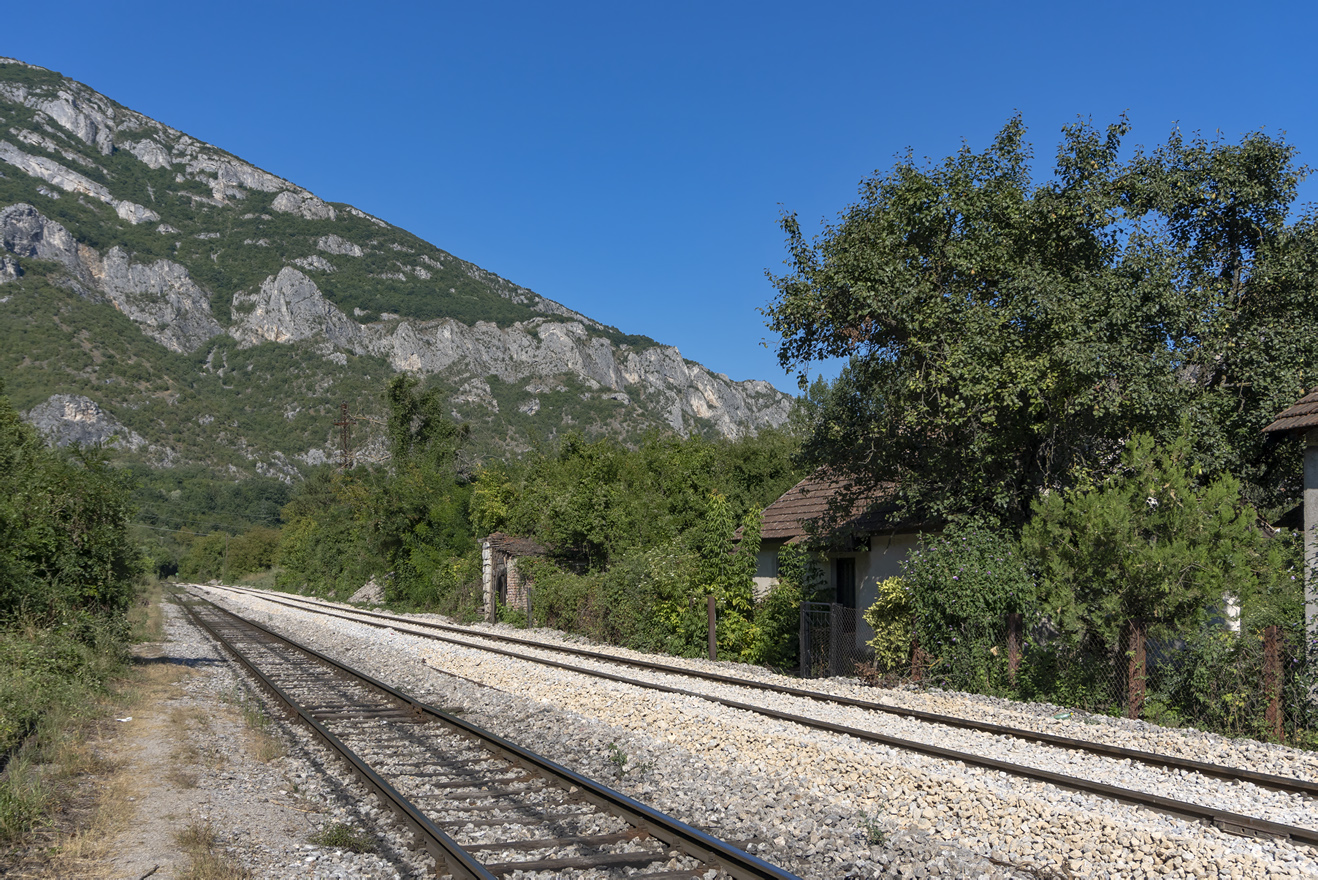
64	542
1147	551
1004	338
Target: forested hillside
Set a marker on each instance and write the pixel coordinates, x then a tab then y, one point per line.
212	315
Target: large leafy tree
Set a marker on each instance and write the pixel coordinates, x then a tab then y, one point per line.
1004	337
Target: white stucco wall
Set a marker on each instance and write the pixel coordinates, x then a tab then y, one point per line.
881	562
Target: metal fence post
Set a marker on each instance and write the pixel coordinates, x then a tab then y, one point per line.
803	644
1014	626
713	633
1272	680
1135	670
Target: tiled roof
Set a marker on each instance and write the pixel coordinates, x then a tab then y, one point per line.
1301	416
786	518
514	546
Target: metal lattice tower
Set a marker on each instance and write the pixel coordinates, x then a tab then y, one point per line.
344	424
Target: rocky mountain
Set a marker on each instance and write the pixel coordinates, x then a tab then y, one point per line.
210	312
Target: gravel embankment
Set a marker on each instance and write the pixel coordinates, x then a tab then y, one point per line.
263	814
811	798
1039	717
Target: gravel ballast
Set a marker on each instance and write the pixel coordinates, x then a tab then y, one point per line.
825	805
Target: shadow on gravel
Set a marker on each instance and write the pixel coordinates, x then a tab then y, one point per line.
190	662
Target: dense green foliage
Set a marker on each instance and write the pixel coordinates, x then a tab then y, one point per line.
43	666
960	586
637	537
1150	543
64	544
67	573
598	501
1005	338
640	538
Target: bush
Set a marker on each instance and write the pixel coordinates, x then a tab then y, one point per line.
890	618
778	627
253	551
204	559
961	587
64	543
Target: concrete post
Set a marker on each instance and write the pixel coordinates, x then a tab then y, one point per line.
1310	537
487	581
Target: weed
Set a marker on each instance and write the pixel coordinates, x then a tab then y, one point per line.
340	836
619	759
199	841
196	838
23	797
872	830
266	744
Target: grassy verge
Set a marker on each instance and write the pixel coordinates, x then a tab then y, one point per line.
57	683
53	683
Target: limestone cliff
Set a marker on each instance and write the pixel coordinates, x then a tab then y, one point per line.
289	308
65	419
212	258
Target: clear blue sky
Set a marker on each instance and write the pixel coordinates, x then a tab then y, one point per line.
631	160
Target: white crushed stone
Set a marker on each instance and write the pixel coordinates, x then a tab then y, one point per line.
806	796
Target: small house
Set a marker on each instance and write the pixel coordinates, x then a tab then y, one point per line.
862	547
503	583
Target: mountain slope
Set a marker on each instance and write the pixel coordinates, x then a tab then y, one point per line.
219	313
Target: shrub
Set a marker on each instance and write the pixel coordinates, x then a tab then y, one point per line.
890	618
256	550
961	587
778	627
204	559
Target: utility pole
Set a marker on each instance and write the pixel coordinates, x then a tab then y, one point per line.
344	424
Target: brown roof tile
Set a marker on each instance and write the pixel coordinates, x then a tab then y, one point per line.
808	500
1302	416
514	546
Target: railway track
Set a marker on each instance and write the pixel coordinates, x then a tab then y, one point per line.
482	806
1222	818
1226	820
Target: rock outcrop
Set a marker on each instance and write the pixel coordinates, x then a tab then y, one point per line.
71	181
290	307
161	297
26	232
304	204
64	419
333	244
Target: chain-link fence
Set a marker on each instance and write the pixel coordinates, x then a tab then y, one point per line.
829	645
1255	682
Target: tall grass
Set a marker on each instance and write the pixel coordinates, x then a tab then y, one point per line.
51	682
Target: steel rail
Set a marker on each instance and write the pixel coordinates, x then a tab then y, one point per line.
1235	823
677	834
445	850
1267	780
